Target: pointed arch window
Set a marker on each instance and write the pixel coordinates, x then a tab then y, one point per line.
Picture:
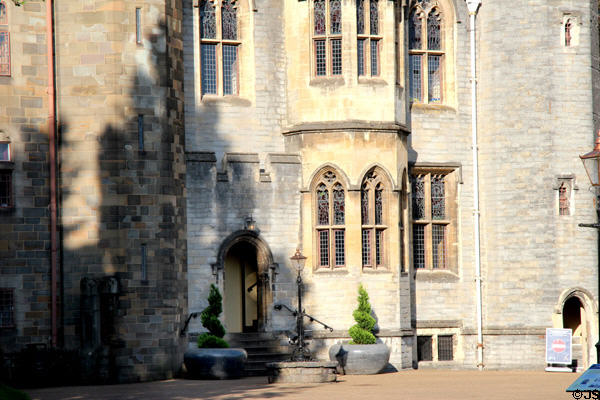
219	47
330	220
426	52
369	37
327	37
373	220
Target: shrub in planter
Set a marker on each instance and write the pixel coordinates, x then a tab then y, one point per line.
213	359
210	320
362	355
361	333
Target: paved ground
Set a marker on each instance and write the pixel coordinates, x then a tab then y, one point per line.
405	385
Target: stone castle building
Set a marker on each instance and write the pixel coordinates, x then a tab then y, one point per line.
203	141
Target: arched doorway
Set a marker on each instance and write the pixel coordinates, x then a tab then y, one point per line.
245	262
576	314
241	288
574	318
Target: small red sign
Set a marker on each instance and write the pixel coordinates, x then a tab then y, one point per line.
558	346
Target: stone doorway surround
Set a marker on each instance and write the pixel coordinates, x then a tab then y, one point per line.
588	320
265	271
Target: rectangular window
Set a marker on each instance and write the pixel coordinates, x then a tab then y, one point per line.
434	79
4	151
340	251
230	69
321	58
415	77
374	57
138	25
324	248
336	56
4	53
445	351
424	348
5	189
209	68
361	56
7	308
379	247
366	248
419	245
438	197
144	267
439	246
140	122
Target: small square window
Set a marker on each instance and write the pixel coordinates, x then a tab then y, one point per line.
7	308
424	345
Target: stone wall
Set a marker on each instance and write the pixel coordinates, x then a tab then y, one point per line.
24	227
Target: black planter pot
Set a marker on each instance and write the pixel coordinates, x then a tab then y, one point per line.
215	363
360	359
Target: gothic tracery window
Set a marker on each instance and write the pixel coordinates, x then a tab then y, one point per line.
220	45
431	220
373	220
426	51
369	37
327	37
330	220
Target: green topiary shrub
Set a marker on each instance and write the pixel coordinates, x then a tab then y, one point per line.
361	333
210	320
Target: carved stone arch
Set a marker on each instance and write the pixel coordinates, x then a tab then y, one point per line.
263	252
388	177
341	175
584	295
265	270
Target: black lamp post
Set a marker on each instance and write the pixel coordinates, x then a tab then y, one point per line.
301	352
591	163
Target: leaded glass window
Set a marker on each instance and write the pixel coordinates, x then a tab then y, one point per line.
338	204
369	38
5	53
418	197
5	188
229	20
438	197
431	220
319	17
7	308
219	47
208	20
373	218
327	37
3	13
323	205
426	52
330	218
374	17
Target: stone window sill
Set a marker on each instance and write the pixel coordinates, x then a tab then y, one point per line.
212	99
327	81
442	276
374	81
431	107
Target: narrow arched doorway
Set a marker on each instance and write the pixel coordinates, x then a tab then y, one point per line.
245	264
241	288
574	318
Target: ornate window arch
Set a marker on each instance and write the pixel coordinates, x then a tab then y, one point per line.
330	219
220	42
327	37
369	38
374	200
427	51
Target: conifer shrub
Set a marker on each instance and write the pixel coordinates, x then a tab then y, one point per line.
361	333
210	320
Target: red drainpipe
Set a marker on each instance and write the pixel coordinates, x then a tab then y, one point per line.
52	145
